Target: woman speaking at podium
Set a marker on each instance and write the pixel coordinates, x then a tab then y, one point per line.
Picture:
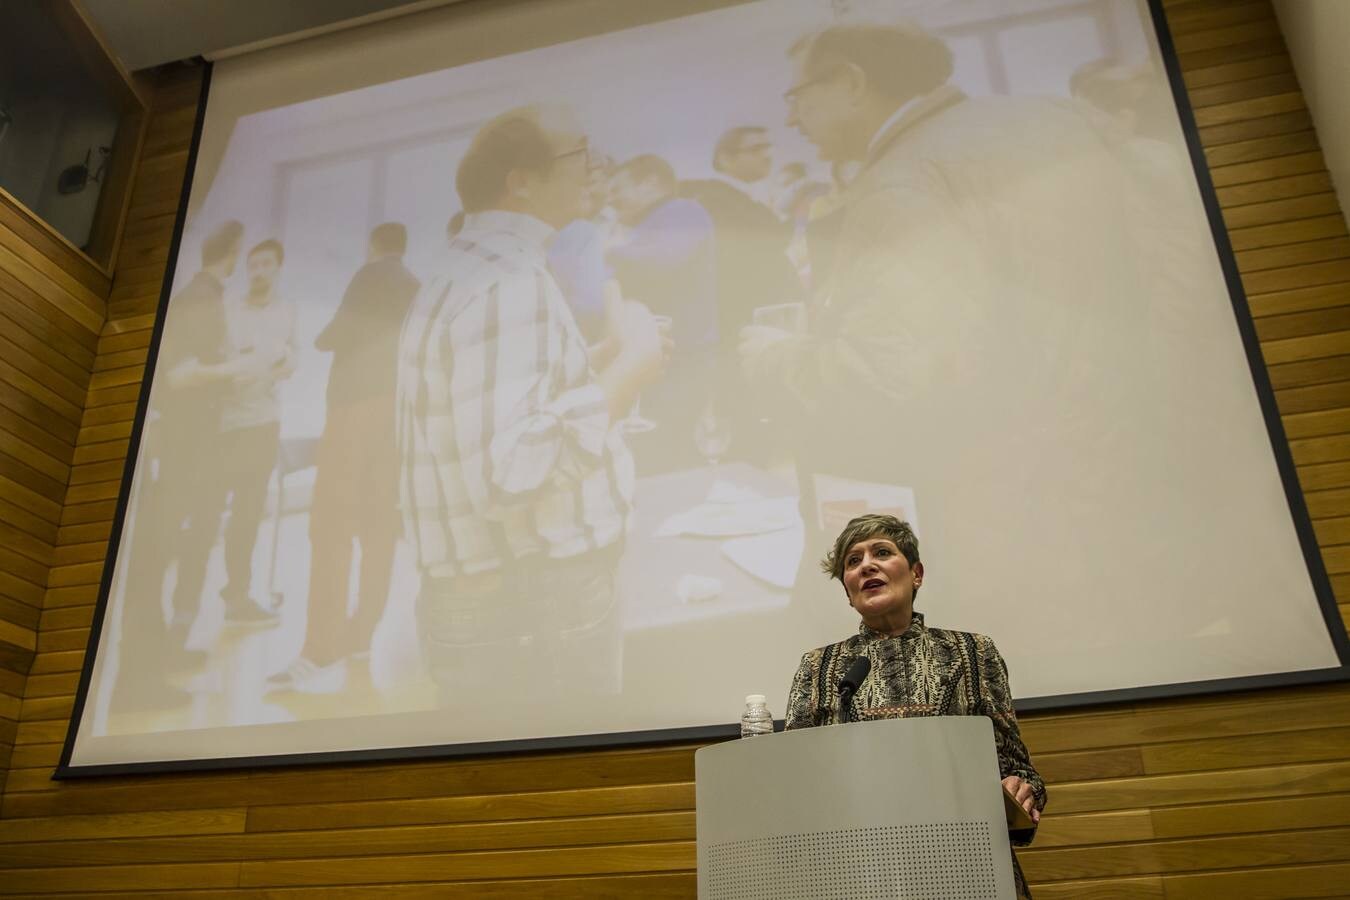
915	670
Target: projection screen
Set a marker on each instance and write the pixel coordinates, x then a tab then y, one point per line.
520	361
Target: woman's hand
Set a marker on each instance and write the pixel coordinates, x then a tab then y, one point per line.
1024	795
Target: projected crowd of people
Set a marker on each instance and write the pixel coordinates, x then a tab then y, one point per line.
593	322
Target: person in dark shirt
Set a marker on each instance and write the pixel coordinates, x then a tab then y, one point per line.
356	482
665	260
177	511
753	268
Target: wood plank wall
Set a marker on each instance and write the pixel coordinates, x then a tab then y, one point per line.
52	306
1244	795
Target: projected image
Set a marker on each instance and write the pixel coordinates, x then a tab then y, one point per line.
519	399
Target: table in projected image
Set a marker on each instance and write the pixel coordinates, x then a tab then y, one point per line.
653	565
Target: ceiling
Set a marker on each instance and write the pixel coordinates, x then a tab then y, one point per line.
145	33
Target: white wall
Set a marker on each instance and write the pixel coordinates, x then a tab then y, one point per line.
1318	33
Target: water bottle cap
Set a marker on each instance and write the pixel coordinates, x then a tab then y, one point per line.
754	700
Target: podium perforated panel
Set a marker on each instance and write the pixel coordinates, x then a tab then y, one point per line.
896	808
942	859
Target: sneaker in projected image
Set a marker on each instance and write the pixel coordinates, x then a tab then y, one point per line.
248	611
306	677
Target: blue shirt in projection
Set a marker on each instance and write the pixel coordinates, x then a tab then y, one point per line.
576	257
667	262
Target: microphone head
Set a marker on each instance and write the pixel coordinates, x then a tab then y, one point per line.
857	671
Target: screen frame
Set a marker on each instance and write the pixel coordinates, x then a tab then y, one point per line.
1298	510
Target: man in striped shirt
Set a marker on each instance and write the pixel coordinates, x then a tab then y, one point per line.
515	486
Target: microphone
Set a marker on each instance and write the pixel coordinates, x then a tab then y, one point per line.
848	685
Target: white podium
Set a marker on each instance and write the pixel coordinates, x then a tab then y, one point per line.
903	808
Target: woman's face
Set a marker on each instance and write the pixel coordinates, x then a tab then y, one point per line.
880	583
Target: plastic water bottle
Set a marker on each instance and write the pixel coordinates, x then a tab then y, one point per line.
756	719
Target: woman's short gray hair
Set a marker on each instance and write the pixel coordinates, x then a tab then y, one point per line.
870	526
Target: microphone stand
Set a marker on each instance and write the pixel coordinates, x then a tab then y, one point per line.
848	686
846	703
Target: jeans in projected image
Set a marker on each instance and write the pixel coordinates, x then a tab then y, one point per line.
542	627
245	473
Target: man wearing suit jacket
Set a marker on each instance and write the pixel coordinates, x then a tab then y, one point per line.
977	236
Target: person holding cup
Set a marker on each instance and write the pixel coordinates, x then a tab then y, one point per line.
664	259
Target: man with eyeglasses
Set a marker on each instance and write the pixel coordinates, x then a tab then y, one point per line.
515	483
976	235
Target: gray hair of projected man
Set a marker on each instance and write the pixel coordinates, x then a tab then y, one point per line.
900	61
525	140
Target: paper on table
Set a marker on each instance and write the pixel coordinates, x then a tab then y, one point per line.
772	557
723	491
747	513
840	499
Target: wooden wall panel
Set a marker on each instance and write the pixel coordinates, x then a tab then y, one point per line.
1244	795
53	300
